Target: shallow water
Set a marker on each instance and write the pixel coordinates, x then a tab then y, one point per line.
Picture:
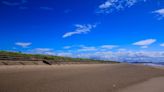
154	64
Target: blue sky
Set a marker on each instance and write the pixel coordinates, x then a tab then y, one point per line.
100	29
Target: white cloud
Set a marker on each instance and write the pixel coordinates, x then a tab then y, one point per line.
122	49
130	3
46	51
105	5
80	29
120	55
128	56
23	44
49	51
162	44
111	5
144	47
124	55
43	49
160	13
65	54
85	49
145	43
67	47
108	46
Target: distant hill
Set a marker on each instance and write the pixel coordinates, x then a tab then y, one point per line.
47	59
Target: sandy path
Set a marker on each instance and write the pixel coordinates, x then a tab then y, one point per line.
73	78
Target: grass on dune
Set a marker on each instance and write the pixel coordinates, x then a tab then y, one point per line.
5	55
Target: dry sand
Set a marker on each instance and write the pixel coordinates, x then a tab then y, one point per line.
152	85
77	78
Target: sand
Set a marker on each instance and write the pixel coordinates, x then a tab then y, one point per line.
152	85
78	78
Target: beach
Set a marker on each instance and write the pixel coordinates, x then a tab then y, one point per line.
152	85
81	78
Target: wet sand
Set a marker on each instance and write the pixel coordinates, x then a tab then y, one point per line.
75	78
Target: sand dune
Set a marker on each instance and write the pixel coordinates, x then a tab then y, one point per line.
74	78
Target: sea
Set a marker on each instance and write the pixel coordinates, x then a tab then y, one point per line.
156	64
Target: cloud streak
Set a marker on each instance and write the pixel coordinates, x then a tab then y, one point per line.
145	43
160	13
109	46
80	29
162	45
87	49
23	44
83	48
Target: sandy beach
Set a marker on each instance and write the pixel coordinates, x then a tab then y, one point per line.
152	85
81	78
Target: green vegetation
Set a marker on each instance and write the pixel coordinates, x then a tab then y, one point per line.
18	56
